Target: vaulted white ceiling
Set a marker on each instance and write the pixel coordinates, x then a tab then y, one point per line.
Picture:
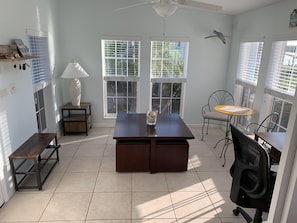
230	7
234	7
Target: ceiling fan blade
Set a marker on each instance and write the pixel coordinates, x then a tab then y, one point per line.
199	5
131	6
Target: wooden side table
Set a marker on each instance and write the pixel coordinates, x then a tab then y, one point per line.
77	119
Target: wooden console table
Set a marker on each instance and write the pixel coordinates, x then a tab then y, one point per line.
160	148
30	158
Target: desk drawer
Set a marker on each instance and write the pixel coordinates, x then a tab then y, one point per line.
172	156
132	156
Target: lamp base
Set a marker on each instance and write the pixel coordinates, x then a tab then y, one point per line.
75	91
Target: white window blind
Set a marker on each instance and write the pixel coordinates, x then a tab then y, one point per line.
249	63
121	58
40	66
169	59
282	71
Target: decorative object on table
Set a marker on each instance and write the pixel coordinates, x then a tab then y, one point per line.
74	71
24	50
151	117
293	19
219	35
9	52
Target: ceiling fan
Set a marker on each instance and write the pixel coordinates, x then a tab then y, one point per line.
166	8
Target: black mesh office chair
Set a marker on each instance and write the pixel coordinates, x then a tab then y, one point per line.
253	182
219	97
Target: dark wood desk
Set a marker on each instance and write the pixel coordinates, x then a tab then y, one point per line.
29	159
276	140
141	147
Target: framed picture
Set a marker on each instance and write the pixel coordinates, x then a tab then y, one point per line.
293	19
24	50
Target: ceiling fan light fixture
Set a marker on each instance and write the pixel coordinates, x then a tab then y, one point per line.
165	9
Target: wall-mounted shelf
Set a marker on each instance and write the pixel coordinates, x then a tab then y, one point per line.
18	59
15	52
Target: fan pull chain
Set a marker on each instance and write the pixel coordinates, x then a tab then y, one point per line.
164	29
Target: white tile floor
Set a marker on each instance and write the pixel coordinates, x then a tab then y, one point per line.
84	187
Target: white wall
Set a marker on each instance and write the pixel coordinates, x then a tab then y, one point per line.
82	23
270	23
17	108
17	112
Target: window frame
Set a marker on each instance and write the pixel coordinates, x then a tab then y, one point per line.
169	79
280	127
247	75
118	78
271	94
244	75
274	63
40	72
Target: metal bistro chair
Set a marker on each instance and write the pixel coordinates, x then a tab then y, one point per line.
219	97
268	124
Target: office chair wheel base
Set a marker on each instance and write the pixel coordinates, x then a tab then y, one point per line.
236	212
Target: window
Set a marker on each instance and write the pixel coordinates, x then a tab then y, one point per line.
249	63
283	108
247	74
168	75
282	79
40	70
40	110
40	66
282	71
120	64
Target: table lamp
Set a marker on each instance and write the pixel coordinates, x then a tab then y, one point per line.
74	71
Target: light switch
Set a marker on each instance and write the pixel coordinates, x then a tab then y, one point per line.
12	88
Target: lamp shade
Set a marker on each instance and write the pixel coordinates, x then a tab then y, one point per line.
74	70
165	8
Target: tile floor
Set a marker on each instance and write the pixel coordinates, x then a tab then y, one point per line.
84	187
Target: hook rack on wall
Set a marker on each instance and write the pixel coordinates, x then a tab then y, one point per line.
22	66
